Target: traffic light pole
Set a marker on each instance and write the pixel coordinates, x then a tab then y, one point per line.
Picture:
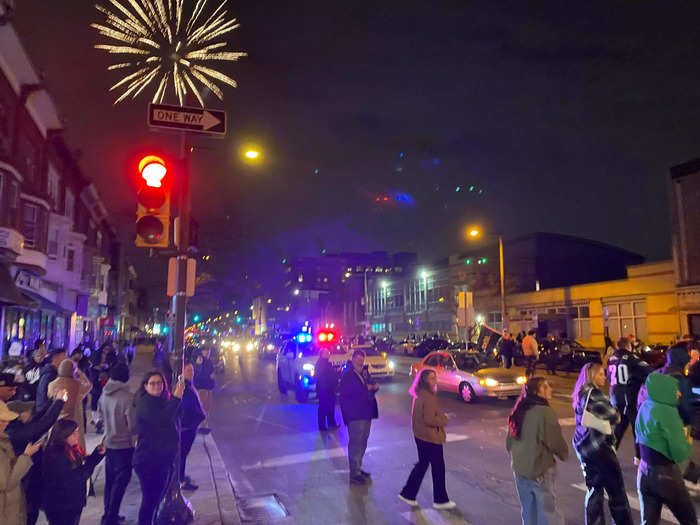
175	509
183	244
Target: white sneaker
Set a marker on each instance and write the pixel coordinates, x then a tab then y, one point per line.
445	506
411	502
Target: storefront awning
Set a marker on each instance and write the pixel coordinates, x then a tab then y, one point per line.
42	303
9	293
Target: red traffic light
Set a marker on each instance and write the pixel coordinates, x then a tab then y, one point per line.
152	169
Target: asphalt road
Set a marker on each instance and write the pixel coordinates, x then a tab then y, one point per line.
272	447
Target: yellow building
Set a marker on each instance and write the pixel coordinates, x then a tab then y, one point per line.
644	304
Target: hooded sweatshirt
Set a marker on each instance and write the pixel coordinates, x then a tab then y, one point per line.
659	426
115	408
676	360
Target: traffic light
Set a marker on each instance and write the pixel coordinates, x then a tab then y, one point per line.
153	210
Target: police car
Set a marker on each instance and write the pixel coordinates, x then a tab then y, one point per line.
297	358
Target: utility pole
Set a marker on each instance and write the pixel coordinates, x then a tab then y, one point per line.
504	319
176	509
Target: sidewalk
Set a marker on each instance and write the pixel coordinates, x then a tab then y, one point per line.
214	502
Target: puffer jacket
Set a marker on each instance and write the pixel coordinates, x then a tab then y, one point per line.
13	506
428	421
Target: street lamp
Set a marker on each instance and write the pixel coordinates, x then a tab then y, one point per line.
473	233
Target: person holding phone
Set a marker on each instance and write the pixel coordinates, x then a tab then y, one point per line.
65	470
156	420
13	509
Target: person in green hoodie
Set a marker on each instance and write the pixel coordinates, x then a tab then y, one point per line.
663	444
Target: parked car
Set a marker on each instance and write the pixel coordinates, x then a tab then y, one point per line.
384	345
471	375
569	354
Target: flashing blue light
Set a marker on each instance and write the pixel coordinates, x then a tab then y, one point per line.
305	381
316	171
400	155
304	338
458	188
471	188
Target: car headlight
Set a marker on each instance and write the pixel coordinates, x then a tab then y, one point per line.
521	380
391	364
489	381
308	366
236	347
249	347
270	346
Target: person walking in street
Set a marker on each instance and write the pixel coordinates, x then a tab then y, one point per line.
626	374
71	379
534	440
204	382
13	467
115	410
663	444
428	423
156	418
530	353
596	449
192	416
358	407
326	385
65	471
49	372
506	349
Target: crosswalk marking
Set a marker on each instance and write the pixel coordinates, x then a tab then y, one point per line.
666	514
433	517
456	437
302	457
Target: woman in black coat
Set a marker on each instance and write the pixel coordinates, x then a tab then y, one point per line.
156	419
65	471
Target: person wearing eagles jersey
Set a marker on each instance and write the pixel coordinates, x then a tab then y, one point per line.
626	373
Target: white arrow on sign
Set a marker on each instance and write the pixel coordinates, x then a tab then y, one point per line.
209	120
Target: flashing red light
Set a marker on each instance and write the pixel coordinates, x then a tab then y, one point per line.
153	170
325	337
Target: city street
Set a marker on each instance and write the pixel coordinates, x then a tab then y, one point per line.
271	445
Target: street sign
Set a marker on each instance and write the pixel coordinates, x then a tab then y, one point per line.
199	120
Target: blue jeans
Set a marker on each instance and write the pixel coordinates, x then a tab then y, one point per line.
358	434
538	500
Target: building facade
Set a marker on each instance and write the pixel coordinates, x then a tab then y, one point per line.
55	239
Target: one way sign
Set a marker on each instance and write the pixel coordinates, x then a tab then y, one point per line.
199	120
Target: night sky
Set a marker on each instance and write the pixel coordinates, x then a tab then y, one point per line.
560	118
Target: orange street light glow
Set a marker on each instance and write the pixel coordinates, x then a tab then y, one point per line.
474	232
252	154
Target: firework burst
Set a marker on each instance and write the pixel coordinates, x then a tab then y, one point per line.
161	43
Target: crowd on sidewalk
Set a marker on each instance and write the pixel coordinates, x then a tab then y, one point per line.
48	399
657	406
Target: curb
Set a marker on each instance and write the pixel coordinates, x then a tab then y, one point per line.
225	496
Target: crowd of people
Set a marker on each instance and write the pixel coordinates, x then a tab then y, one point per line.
47	401
655	405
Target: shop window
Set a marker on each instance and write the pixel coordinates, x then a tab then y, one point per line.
53	244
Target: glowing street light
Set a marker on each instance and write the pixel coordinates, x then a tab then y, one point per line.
474	232
252	154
